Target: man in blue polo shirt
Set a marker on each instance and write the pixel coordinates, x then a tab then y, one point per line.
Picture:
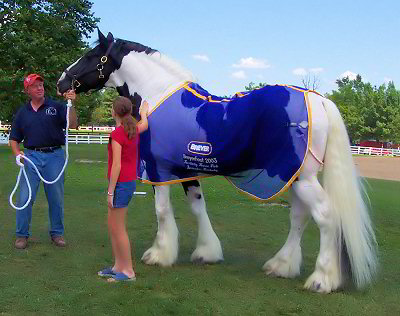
39	124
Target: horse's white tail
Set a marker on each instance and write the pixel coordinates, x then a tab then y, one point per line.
346	194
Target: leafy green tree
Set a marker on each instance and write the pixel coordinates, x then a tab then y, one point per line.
253	86
347	102
393	102
369	112
396	129
42	37
85	107
102	114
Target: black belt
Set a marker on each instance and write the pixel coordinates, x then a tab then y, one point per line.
44	149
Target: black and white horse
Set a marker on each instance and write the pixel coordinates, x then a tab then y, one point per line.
337	207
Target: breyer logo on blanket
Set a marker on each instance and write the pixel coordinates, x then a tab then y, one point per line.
200	148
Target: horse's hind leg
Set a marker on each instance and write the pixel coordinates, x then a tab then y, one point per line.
326	276
287	262
164	251
208	247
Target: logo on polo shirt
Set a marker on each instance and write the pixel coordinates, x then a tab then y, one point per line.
51	111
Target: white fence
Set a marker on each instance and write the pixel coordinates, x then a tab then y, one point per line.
372	151
72	139
88	139
3	138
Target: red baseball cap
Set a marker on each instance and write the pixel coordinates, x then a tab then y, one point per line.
30	79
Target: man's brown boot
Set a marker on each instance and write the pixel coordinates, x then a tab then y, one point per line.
21	242
59	241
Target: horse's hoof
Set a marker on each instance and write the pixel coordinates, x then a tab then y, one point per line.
317	287
277	267
198	260
207	255
147	259
154	256
321	283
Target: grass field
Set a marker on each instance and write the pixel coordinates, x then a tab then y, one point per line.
46	280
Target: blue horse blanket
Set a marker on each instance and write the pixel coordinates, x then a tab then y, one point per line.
258	140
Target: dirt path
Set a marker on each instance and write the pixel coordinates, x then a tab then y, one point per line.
387	168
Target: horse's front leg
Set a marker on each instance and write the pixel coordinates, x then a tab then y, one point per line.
164	251
208	247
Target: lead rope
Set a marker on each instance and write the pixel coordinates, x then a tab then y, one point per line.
22	168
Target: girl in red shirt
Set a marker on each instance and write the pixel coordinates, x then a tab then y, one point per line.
122	165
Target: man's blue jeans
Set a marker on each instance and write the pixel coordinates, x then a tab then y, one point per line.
49	166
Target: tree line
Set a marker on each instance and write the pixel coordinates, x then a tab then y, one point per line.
45	36
40	36
370	112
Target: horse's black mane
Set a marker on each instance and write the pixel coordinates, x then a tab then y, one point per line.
129	45
137	47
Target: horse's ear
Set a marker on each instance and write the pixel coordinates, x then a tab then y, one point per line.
110	37
102	39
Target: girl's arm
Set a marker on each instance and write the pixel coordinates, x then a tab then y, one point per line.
143	124
115	170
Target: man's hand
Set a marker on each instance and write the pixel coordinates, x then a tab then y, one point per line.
19	160
73	120
70	95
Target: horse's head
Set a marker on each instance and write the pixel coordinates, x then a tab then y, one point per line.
101	67
132	68
92	70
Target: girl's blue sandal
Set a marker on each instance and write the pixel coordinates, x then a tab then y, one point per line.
106	272
121	277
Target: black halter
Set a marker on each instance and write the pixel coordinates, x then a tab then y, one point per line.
99	67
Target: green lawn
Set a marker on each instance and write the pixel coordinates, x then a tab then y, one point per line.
46	280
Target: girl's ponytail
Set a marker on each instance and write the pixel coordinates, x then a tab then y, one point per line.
123	108
129	124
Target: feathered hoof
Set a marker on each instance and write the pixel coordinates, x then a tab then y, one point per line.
154	256
203	255
279	267
321	283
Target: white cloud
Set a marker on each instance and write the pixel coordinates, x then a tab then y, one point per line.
201	57
387	80
251	62
351	75
317	70
239	75
303	72
300	72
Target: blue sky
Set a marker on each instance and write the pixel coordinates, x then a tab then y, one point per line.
227	44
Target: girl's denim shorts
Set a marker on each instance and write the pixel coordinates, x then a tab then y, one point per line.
123	193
